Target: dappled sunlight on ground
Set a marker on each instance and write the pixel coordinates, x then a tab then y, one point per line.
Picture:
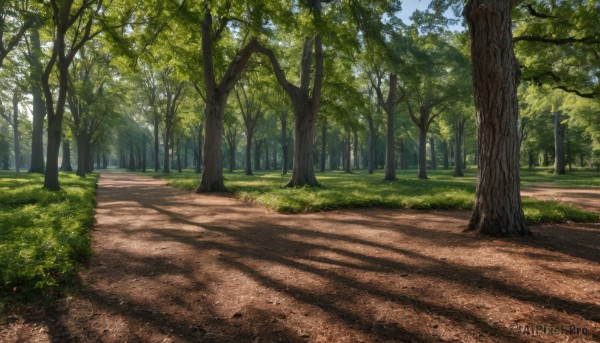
172	266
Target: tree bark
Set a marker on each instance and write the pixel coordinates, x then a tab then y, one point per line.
497	210
559	144
167	147
355	149
390	147
38	110
80	155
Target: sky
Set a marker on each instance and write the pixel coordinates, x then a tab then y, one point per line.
409	6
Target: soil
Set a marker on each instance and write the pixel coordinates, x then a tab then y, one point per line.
173	266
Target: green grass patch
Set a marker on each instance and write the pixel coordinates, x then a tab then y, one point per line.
359	189
44	235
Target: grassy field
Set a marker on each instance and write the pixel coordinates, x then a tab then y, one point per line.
358	189
44	235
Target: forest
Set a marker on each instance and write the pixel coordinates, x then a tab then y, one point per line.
459	119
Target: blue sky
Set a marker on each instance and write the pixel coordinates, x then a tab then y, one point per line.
409	6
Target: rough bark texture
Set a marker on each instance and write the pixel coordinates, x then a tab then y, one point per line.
156	121
559	144
38	110
497	210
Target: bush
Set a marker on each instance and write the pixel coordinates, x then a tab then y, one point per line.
44	235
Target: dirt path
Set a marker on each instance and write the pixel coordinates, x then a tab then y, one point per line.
170	266
586	198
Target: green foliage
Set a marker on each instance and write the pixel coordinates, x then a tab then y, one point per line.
359	189
43	234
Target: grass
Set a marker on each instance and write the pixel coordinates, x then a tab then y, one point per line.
44	235
342	190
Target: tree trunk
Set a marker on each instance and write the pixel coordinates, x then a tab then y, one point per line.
66	158
458	132
38	110
545	161
156	143
530	158
199	157
497	210
15	125
80	155
433	157
390	149
323	146
232	148
104	161
185	153
559	144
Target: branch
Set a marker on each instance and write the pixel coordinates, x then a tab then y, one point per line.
535	13
285	84
583	95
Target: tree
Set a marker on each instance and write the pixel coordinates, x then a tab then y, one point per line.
251	111
497	210
305	104
33	57
76	21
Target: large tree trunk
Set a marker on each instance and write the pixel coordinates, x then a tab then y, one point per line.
38	110
267	159
323	158
15	125
178	144
304	126
497	210
347	150
390	146
66	157
559	144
